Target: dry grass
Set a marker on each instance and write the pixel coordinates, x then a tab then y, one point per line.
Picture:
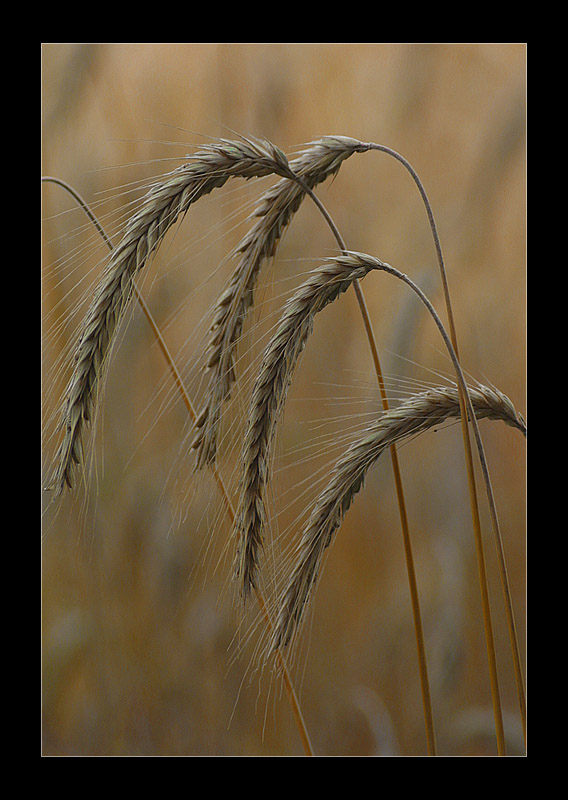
162	206
162	655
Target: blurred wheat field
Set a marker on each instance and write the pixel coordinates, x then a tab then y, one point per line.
143	651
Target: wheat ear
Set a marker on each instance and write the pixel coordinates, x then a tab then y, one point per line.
279	361
165	202
273	213
417	414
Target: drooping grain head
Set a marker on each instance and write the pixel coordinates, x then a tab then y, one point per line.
274	212
419	413
165	203
275	374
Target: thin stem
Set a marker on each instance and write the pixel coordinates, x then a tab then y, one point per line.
293	699
466	439
491	500
415	602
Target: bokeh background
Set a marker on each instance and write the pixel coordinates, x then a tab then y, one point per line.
144	652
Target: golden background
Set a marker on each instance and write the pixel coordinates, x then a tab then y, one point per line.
139	631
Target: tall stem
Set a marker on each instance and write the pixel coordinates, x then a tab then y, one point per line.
467	447
414	598
490	497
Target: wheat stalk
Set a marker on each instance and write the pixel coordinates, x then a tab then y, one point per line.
464	401
275	374
274	211
467	412
417	414
162	206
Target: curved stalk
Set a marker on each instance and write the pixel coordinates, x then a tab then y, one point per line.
493	511
409	558
464	426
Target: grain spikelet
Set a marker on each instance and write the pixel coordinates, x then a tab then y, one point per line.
417	414
268	396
